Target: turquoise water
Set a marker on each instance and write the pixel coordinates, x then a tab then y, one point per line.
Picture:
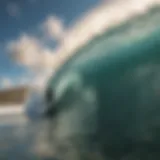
114	44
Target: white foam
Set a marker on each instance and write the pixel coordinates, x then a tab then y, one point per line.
99	20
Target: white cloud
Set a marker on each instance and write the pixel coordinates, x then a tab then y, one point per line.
13	9
25	50
31	52
53	26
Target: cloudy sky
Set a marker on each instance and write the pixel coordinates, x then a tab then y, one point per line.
37	35
27	23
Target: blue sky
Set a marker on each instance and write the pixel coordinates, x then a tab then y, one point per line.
24	16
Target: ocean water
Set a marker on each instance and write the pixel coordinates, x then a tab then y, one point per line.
12	145
19	140
15	139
